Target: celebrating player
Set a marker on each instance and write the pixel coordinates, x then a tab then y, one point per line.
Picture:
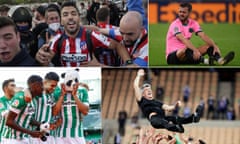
20	114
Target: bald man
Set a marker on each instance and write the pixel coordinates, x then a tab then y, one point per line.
133	35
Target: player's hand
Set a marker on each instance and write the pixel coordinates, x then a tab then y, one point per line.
44	56
216	50
63	89
75	89
178	104
36	134
196	54
140	72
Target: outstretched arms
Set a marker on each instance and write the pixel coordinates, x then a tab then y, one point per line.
136	87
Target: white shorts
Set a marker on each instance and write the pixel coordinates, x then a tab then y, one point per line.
78	140
50	140
15	141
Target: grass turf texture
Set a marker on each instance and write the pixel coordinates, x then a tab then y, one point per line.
226	36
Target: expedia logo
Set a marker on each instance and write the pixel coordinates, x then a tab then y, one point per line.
74	57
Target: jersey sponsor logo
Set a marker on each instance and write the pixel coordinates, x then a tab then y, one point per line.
69	103
15	103
74	57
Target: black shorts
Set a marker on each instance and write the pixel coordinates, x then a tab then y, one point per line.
173	59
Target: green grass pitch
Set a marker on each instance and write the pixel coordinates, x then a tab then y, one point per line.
226	36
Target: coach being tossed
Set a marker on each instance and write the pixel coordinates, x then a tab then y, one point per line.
155	110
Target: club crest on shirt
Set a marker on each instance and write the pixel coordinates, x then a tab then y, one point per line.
191	30
83	45
1	105
15	103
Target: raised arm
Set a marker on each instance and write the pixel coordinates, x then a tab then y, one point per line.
136	87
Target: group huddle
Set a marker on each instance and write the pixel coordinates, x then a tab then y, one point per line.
44	112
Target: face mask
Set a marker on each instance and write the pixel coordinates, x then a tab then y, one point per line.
23	28
54	26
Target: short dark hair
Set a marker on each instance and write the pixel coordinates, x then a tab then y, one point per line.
102	14
34	78
186	4
4	8
70	4
52	76
6	21
53	6
41	10
51	9
6	82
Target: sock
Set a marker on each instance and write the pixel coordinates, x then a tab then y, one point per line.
217	56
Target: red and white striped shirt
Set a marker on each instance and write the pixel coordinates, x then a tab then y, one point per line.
107	57
74	51
139	51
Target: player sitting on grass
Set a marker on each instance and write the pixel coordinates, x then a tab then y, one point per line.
180	49
155	110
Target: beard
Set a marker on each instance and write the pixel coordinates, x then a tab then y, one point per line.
129	43
72	31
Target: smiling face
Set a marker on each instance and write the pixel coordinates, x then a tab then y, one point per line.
50	85
9	43
70	20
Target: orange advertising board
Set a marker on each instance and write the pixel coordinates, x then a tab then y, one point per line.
202	12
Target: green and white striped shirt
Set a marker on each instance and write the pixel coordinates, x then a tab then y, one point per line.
24	113
4	104
72	118
43	106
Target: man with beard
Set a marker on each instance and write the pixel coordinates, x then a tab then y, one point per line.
20	114
73	47
180	49
133	35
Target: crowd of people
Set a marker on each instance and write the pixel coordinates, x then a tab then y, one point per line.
43	112
69	34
